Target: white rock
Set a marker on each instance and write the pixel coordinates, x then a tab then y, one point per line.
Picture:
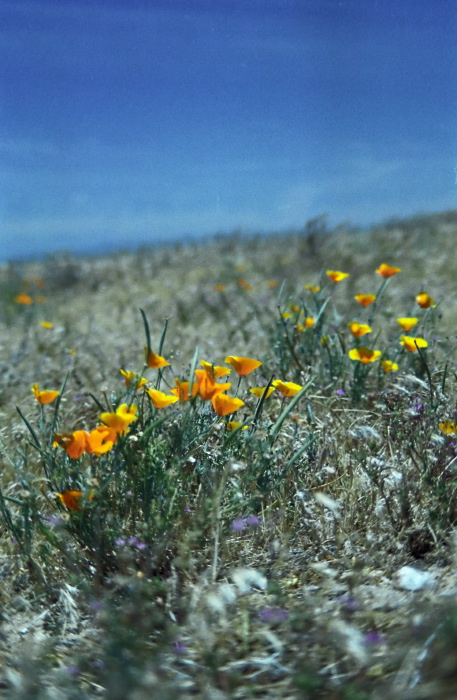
410	579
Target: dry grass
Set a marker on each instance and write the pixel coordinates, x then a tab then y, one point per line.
303	601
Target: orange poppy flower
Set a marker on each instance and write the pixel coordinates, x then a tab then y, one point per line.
159	399
242	365
72	499
130	376
389	366
219	287
121	419
387	271
100	440
23	299
75	444
364	355
260	390
425	301
243	284
287	388
365	299
233	425
44	397
411	344
207	385
407	323
272	284
312	288
153	360
181	390
223	404
359	329
46	324
336	275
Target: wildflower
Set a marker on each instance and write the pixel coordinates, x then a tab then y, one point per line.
260	390
286	315
121	419
233	425
325	341
214	370
425	301
100	440
387	271
219	287
407	323
23	298
287	388
238	525
312	288
72	499
207	385
153	360
272	283
309	323
44	397
243	284
336	275
242	365
130	376
294	308
359	329
181	390
365	299
75	444
411	344
389	366
364	355
159	399
223	404
448	427
46	324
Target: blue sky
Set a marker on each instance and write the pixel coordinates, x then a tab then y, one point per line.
125	122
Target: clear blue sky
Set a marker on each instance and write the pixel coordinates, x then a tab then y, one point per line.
130	121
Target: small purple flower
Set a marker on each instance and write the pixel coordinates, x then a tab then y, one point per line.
179	647
238	525
252	521
273	615
133	541
340	392
349	603
73	671
120	542
374	637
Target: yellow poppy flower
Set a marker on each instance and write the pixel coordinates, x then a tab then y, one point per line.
387	270
242	365
207	385
411	344
272	284
233	425
181	390
286	314
260	390
214	370
425	301
312	288
44	397
364	355
389	366
130	376
159	399
407	323
219	287
153	360
46	324
223	404
121	419
23	299
359	329
448	427
243	284
336	275
365	299
100	440
287	388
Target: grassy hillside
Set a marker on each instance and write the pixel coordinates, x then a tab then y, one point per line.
232	545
